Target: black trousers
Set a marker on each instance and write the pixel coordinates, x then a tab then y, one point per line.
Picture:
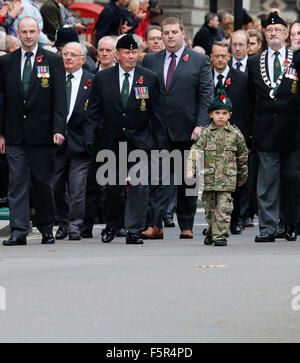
26	164
3	176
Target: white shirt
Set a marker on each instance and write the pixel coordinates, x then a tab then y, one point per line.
168	60
224	74
243	61
271	58
75	81
122	77
23	59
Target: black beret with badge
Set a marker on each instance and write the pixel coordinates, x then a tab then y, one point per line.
127	42
275	18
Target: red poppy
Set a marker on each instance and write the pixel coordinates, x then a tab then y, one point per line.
141	80
88	83
222	98
39	59
186	58
228	81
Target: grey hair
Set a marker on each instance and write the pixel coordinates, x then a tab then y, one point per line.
83	47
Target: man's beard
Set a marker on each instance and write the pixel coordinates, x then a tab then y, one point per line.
275	43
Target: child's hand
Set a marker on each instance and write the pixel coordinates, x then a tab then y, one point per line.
190	174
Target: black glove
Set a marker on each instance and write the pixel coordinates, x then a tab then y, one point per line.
90	148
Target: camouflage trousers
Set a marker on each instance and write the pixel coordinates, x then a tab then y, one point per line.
218	207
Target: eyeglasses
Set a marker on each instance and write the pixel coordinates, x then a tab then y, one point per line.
72	55
155	38
222	56
240	45
275	30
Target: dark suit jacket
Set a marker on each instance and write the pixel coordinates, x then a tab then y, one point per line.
43	114
186	101
230	65
237	92
142	129
271	123
74	130
52	18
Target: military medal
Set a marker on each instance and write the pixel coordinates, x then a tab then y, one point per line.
43	72
45	83
143	105
294	87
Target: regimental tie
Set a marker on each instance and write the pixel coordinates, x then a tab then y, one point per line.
26	73
220	83
69	90
171	70
277	66
238	65
125	89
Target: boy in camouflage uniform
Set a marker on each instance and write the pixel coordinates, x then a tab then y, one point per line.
225	166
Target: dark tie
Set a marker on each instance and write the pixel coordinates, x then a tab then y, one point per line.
238	65
171	70
69	90
220	82
125	90
277	67
26	73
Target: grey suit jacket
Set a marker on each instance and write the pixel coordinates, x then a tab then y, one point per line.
186	101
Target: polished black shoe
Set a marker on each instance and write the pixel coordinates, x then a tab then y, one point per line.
264	237
107	235
208	240
280	233
169	223
61	233
48	239
247	222
290	233
134	239
74	236
236	229
86	233
222	242
121	232
14	241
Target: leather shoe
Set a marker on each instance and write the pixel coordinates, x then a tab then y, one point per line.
280	233
153	233
121	232
220	242
264	237
236	229
169	223
134	239
247	222
186	234
86	233
48	238
14	241
74	236
290	233
108	234
61	233
208	240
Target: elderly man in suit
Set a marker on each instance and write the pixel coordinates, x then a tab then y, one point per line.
72	161
186	88
128	111
32	119
272	122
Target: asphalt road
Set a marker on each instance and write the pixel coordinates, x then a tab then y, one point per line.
167	291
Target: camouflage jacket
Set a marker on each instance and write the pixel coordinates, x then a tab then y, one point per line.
225	157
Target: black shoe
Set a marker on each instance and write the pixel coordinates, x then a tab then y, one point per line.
247	222
236	229
74	236
169	223
264	237
14	241
290	233
61	233
121	232
108	234
220	242
280	233
134	239
48	238
208	240
86	233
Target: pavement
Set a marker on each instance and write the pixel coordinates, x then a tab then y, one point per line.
166	291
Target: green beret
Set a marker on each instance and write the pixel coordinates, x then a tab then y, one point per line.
220	102
275	18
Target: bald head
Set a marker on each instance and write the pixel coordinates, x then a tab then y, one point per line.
28	33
